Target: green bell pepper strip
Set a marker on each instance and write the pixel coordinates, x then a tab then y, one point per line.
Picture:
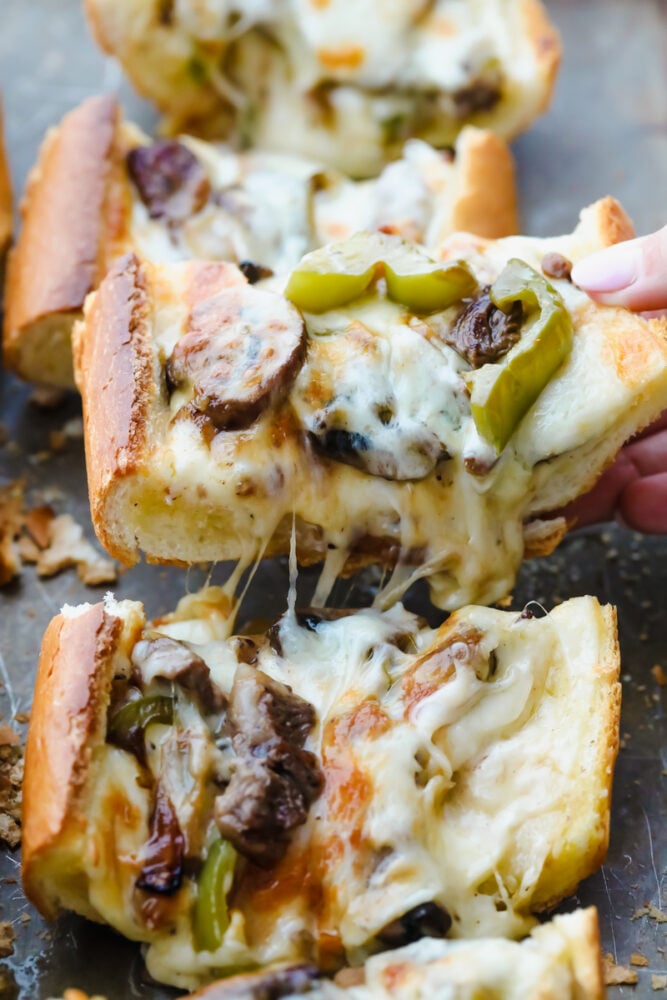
211	915
502	393
341	272
126	728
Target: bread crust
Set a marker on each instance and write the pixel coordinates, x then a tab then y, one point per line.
487	198
62	231
67	721
119	383
545	40
5	192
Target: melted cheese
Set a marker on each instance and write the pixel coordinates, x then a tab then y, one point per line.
273	208
440	785
339	82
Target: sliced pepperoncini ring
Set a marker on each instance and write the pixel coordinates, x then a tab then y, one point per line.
211	914
126	728
339	273
502	393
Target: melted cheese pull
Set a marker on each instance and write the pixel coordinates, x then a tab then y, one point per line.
419	780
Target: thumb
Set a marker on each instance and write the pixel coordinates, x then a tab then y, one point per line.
631	274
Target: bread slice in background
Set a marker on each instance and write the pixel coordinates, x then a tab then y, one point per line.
442	755
82	210
342	83
6	207
163	482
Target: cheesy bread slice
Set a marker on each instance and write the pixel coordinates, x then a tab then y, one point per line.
428	422
344	82
102	188
343	784
560	960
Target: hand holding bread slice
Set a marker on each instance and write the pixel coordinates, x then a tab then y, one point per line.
369	440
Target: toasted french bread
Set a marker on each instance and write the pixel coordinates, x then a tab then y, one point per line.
101	188
338	776
342	83
6	223
360	432
558	961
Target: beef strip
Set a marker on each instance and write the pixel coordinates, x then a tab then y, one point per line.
241	353
276	780
174	661
483	333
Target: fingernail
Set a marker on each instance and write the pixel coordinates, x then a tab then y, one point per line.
608	270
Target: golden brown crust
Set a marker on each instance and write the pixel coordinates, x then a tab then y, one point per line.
587	961
604	736
118	385
5	192
62	227
487	199
66	722
546	43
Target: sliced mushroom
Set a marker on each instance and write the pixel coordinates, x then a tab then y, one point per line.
483	333
426	920
242	351
272	985
162	871
170	180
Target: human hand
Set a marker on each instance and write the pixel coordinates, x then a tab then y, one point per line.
631	274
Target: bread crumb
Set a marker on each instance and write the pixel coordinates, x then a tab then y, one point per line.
658	982
47	397
11	525
649	910
9	737
11	780
659	674
68	547
6	939
22	717
38	522
25	918
638	959
617	975
57	441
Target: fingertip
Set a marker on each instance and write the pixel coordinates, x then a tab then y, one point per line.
643	504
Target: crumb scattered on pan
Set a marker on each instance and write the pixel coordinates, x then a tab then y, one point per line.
649	910
617	975
638	959
11	779
47	397
6	939
658	982
53	542
659	674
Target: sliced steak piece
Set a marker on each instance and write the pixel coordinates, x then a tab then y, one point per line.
174	661
163	864
275	780
483	333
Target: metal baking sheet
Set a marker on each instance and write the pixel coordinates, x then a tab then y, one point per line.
606	133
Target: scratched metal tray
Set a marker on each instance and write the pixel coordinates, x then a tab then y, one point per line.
606	133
